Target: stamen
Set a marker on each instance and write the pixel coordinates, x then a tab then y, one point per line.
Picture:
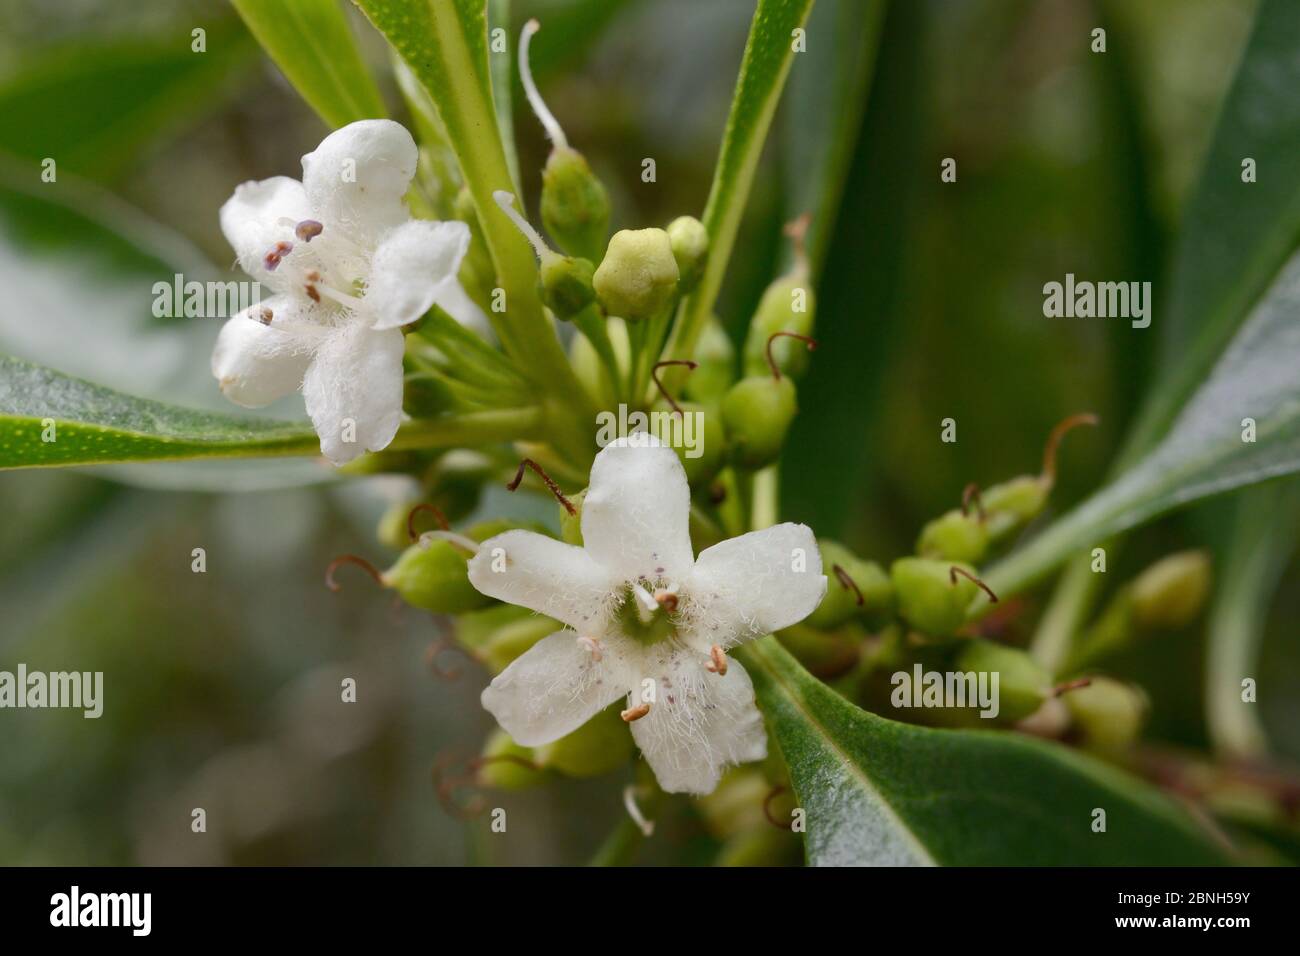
645	599
776	372
954	571
635	713
312	293
717	662
544	115
666	598
654	374
278	251
1054	440
647	827
797	231
547	479
507	203
308	229
592	645
847	582
438	516
356	559
468	545
972	493
264	315
1076	684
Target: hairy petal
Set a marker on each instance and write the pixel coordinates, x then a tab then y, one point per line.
257	216
415	264
548	576
255	363
354	390
356	178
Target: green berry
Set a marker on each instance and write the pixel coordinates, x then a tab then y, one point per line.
715	369
566	284
505	765
841	602
1170	593
927	597
1108	714
600	746
786	306
1023	685
954	537
756	413
708	444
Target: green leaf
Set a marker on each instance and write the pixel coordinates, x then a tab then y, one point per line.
90	107
877	792
501	69
312	44
763	70
1205	452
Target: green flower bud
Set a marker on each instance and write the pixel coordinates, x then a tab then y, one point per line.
869	582
1108	714
565	284
928	599
1170	593
435	578
600	746
575	206
498	635
756	413
1023	685
690	244
715	359
704	456
954	537
638	276
505	765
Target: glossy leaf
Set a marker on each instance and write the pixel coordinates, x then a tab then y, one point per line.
876	792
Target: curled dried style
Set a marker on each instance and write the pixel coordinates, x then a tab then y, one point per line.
546	479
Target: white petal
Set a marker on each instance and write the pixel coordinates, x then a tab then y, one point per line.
411	267
636	514
548	576
260	214
699	724
255	363
455	301
354	390
356	178
554	688
753	585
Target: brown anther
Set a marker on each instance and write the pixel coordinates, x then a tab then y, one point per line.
654	374
282	248
635	713
717	662
972	493
313	276
265	315
954	571
666	599
308	229
547	479
1054	440
776	372
1076	684
270	261
847	582
312	293
593	647
434	510
356	559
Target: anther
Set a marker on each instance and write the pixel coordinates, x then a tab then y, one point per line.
544	115
972	493
847	582
434	510
547	479
1054	440
776	372
952	576
654	374
717	662
356	559
312	293
265	315
666	598
308	229
592	645
635	713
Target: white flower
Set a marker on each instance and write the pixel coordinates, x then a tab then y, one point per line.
348	267
646	619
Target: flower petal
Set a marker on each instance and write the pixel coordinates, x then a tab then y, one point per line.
411	267
354	390
251	220
700	722
356	178
256	363
753	585
636	514
548	576
455	301
553	689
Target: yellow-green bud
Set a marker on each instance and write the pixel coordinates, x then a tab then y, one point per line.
690	243
1023	685
575	207
842	601
600	746
1020	499
638	276
704	454
786	306
1171	592
715	370
756	413
565	284
435	578
1107	713
954	536
736	804
506	765
927	597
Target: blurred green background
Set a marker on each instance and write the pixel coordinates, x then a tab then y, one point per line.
222	688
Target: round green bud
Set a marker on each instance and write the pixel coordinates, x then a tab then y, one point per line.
841	602
690	243
954	537
1171	592
575	207
756	413
498	635
1023	685
1108	714
565	284
505	765
435	578
715	369
600	746
787	306
696	435
638	276
927	597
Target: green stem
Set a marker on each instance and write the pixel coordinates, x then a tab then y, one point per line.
469	429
